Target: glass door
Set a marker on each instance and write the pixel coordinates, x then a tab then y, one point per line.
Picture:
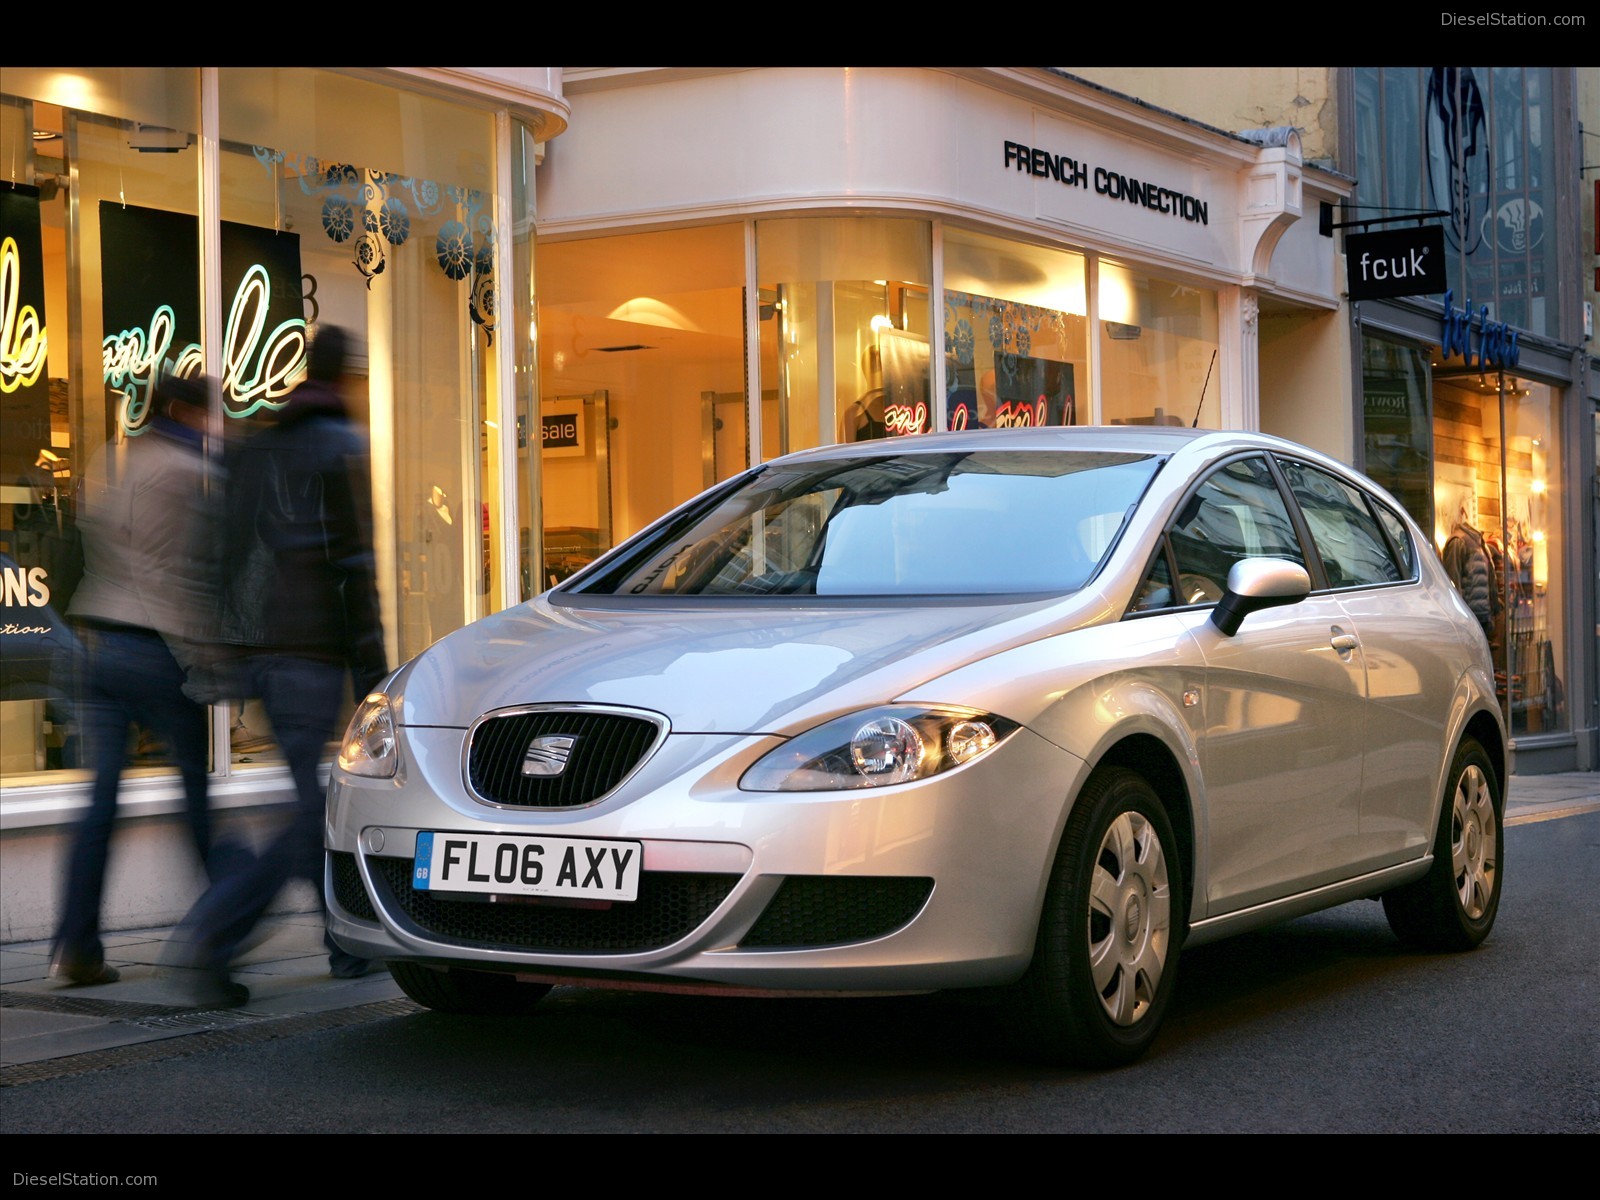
575	448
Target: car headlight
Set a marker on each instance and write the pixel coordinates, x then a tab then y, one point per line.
882	746
369	746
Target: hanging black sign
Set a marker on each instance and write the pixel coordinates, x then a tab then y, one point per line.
1395	262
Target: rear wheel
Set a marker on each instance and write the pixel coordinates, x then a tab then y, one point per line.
1106	959
1453	906
453	990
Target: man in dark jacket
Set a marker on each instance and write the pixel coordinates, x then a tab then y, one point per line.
299	613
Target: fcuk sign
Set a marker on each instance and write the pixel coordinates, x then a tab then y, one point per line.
1395	262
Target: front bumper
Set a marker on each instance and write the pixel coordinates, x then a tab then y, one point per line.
927	885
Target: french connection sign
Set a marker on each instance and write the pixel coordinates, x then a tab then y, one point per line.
1395	262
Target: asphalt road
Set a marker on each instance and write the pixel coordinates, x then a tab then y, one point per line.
1321	1025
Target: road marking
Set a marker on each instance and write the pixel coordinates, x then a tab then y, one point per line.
1551	814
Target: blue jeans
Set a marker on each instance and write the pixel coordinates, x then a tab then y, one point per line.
302	698
127	676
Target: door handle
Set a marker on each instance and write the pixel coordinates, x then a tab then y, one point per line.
1343	642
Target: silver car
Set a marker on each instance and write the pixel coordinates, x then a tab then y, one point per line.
1023	710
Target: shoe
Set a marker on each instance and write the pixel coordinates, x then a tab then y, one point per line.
213	988
101	972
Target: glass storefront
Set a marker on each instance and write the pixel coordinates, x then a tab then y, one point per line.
1497	524
1470	443
1158	351
1397	423
1474	457
1015	332
642	384
844	334
337	201
82	151
645	397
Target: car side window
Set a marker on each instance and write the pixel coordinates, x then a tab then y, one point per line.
1236	513
1400	539
1156	591
1352	547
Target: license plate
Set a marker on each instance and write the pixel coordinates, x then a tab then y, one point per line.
506	865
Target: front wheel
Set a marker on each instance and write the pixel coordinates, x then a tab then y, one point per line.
1453	906
453	990
1106	958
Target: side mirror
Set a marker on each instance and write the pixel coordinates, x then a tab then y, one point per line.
1257	583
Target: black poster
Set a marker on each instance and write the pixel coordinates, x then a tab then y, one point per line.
24	385
1032	391
150	276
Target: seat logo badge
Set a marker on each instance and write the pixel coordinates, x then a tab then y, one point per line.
547	756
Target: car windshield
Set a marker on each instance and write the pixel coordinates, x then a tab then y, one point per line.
969	523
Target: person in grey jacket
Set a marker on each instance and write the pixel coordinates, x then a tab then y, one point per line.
141	611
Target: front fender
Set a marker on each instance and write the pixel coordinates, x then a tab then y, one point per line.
1077	691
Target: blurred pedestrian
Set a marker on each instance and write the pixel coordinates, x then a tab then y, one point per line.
141	612
299	609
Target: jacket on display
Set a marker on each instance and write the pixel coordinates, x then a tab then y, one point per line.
1472	570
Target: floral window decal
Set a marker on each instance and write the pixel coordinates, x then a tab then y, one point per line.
376	212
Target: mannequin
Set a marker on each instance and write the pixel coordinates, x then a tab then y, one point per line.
1472	569
439	501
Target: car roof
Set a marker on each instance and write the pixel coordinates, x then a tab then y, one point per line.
1134	439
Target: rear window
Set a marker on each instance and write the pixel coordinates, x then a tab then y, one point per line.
971	523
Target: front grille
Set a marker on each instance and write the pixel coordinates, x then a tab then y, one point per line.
605	748
828	910
671	905
348	891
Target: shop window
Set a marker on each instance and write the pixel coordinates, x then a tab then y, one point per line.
1015	334
341	202
373	210
642	384
1158	348
844	330
85	150
1397	429
1500	546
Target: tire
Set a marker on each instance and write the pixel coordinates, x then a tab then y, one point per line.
478	993
1105	962
1453	906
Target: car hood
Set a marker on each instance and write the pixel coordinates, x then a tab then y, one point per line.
714	668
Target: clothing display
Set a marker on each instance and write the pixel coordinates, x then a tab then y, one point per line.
1468	562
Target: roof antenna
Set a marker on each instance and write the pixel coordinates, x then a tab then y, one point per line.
1195	424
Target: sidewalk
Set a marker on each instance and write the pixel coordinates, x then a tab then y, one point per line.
50	1029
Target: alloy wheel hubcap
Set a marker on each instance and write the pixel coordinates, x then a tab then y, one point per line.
1472	843
1130	918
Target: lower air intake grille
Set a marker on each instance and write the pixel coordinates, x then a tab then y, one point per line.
826	910
670	906
348	891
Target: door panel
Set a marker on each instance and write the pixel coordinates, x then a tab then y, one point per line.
1282	754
